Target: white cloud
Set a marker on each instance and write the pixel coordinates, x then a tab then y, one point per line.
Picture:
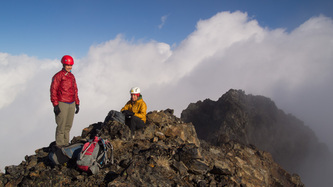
226	51
163	20
14	73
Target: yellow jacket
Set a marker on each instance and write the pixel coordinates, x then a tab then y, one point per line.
139	108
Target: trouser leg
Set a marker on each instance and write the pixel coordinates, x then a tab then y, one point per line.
69	122
128	122
138	123
134	123
61	121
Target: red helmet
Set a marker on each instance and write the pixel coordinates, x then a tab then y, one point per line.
68	60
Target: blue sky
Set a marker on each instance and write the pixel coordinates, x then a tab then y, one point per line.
48	29
177	52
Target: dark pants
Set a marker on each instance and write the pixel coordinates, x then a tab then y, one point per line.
134	123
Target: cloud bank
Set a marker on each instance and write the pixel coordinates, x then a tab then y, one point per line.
229	50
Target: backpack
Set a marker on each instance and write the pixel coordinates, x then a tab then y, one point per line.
94	155
114	115
61	155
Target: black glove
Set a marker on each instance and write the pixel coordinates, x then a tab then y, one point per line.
77	109
56	110
128	114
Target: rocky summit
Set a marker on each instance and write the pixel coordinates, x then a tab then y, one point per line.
167	152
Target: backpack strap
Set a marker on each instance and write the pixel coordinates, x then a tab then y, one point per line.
109	145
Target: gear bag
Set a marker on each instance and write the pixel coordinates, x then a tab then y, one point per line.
114	115
95	155
61	155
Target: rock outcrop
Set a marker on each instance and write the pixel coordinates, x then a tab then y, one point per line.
255	120
166	153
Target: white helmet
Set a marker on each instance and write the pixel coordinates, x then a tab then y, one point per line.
135	90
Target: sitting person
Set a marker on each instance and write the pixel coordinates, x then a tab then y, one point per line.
135	111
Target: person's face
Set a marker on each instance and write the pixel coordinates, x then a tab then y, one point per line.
134	97
68	68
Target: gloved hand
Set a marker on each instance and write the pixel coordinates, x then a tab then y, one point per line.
128	114
77	109
56	110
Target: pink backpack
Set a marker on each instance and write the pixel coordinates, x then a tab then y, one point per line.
94	155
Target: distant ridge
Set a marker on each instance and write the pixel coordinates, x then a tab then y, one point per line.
255	120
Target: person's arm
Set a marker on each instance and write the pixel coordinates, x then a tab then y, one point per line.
54	94
77	100
54	90
126	107
142	111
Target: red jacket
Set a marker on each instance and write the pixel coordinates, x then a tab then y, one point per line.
63	88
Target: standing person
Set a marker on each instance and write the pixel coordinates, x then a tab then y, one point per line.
135	111
65	99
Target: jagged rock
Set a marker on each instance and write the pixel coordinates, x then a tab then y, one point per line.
165	153
256	120
246	165
180	167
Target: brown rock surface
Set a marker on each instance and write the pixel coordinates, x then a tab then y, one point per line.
166	153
